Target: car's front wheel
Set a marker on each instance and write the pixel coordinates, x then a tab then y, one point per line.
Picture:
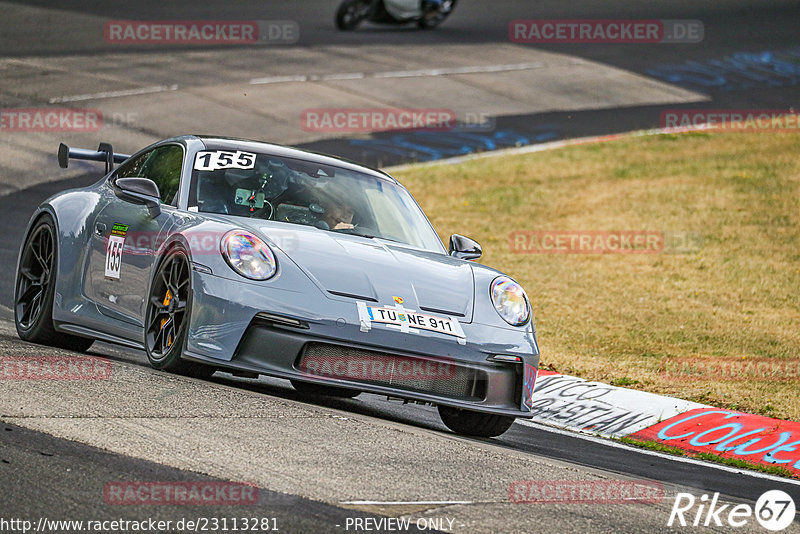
167	320
35	289
476	424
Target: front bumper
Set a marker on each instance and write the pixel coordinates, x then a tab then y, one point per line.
294	335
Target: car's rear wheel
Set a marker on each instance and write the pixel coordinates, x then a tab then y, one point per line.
167	319
327	391
476	424
35	289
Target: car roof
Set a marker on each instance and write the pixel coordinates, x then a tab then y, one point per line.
290	152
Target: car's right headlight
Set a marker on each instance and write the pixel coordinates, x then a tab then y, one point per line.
248	255
510	301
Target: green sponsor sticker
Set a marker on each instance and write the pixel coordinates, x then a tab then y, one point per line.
119	229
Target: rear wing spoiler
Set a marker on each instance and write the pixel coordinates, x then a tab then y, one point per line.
104	153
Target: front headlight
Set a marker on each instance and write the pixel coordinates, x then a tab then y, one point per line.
510	301
248	255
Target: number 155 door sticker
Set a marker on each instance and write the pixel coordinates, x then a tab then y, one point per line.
116	242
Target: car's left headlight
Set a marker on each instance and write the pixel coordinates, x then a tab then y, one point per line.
248	255
510	301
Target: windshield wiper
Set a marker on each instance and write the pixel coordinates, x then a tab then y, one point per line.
381	237
354	231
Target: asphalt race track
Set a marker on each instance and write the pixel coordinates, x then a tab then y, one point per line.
320	463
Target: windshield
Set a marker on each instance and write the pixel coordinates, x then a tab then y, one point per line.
301	192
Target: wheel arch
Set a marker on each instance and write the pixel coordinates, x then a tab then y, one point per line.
42	211
164	249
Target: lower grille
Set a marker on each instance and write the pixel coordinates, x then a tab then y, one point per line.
436	377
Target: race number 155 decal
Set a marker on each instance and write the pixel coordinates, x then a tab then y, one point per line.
114	256
116	242
212	160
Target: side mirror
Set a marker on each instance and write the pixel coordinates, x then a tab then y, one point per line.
140	191
464	248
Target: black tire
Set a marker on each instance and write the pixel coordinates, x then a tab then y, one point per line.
168	311
431	21
348	16
476	424
325	391
34	290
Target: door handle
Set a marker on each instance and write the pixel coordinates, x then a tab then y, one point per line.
100	228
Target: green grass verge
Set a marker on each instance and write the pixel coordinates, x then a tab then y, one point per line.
732	296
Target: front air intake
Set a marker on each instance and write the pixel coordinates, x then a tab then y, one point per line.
441	377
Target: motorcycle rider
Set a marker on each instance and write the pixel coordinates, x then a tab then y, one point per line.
426	13
426	6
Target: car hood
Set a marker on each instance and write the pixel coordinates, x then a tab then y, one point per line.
376	270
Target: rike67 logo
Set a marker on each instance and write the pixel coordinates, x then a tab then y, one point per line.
774	510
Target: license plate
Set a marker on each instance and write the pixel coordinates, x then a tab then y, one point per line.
409	320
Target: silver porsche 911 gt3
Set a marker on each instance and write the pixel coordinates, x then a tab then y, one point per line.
252	258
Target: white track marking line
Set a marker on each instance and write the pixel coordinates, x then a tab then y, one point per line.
114	94
387	503
279	79
344	76
446	71
684	459
458	70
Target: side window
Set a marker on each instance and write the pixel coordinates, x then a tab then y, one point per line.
131	168
162	165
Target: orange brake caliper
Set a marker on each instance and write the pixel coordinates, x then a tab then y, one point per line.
167	300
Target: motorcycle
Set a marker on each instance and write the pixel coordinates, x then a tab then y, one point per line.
426	13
